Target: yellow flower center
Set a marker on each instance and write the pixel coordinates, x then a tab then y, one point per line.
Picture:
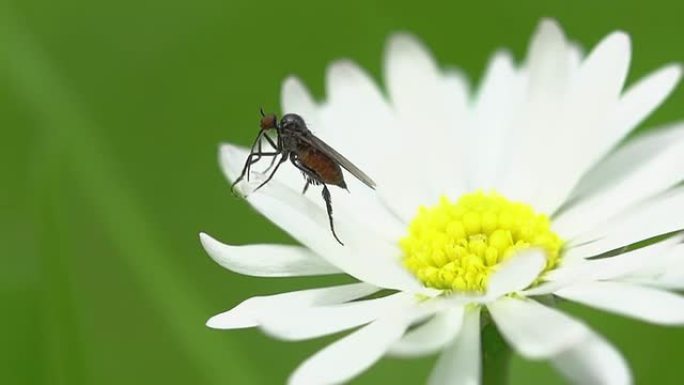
457	246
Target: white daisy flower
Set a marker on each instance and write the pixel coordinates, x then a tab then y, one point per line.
487	203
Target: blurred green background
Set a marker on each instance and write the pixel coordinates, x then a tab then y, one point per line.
110	117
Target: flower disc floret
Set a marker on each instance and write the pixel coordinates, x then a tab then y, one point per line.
455	246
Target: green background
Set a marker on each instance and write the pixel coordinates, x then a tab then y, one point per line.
110	117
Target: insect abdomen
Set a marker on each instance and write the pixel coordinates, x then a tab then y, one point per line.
329	171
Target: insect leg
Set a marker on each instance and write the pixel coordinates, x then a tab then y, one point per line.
261	152
328	206
256	155
306	186
275	146
312	178
281	161
270	141
251	159
309	175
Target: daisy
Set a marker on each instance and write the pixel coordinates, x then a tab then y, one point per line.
489	205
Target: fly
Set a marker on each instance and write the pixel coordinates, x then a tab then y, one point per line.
320	163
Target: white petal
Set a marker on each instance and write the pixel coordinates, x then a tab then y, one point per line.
666	272
549	69
414	84
365	255
534	330
323	320
615	266
644	303
460	361
576	55
574	271
357	109
248	313
567	122
432	335
600	80
498	103
641	99
457	100
649	178
593	361
633	107
516	273
620	163
353	354
410	71
296	99
267	260
593	92
628	227
547	60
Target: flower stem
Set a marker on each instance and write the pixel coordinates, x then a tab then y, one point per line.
496	356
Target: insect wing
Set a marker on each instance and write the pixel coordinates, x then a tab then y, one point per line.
340	159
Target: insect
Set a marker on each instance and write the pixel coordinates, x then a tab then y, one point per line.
320	163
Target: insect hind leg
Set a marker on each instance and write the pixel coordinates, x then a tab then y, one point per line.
310	180
306	186
313	179
328	206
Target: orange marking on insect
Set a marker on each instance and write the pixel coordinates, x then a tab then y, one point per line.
328	170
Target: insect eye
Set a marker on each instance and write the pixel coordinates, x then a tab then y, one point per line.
268	122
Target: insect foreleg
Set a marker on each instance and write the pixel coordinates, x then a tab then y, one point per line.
248	161
270	141
282	160
262	153
252	158
277	146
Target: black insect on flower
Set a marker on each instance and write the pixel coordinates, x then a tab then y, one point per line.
320	163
